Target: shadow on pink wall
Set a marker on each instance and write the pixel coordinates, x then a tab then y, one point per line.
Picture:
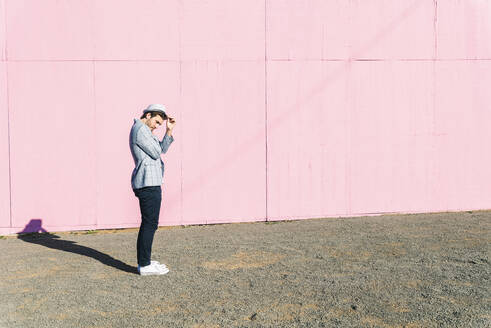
34	233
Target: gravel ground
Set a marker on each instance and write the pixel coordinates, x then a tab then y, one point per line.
419	270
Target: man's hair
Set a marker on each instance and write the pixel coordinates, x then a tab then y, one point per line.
152	114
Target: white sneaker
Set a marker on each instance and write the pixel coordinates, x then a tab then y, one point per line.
152	269
162	265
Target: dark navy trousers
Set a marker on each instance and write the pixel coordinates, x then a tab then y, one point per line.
150	199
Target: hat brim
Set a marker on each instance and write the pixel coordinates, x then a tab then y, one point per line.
156	111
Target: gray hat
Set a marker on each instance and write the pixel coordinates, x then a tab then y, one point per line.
156	108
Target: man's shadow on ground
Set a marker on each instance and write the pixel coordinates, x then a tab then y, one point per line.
34	233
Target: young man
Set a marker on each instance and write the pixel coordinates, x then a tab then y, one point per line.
146	180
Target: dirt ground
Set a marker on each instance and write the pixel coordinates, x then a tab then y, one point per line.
418	270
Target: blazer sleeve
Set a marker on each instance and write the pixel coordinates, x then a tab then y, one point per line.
148	144
165	143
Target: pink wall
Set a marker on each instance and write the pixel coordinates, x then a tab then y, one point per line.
285	109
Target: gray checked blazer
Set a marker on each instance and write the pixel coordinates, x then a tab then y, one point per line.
146	149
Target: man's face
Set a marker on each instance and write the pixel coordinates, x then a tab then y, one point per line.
154	122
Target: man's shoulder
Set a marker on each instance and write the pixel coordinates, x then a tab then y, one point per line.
136	124
140	129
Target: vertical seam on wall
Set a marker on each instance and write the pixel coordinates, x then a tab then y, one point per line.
96	163
266	99
349	114
435	35
348	131
179	23
431	164
95	157
8	109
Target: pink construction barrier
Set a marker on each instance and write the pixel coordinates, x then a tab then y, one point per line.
285	109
